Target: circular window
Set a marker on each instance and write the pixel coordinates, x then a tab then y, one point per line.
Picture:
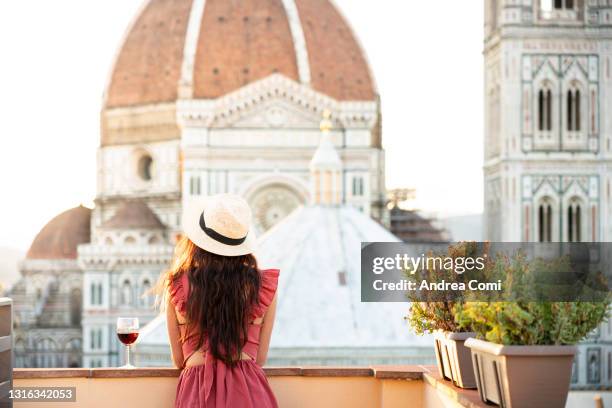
145	167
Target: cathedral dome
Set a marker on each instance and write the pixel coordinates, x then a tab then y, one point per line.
134	214
206	49
61	236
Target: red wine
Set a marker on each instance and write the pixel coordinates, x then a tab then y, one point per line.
127	338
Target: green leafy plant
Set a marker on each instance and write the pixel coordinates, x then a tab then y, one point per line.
532	323
427	317
428	311
529	322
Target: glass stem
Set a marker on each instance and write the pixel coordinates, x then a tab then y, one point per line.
128	356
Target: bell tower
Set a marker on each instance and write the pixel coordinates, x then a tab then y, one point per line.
548	159
548	149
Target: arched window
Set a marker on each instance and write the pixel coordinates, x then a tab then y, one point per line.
73	353
145	299
577	110
129	240
145	167
95	340
96	293
195	185
358	186
574	221
545	109
545	221
20	354
75	307
573	110
99	293
548	109
126	293
45	353
563	4
92	294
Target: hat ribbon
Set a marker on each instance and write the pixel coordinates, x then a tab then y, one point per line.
219	237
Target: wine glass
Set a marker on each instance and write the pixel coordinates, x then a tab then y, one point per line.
127	331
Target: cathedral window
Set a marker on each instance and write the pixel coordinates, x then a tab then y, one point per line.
558	9
126	293
45	353
573	110
358	186
544	110
95	339
75	307
195	185
574	221
342	278
146	296
20	354
96	293
145	167
129	240
545	218
560	4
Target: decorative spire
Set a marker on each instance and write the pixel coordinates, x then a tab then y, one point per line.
326	168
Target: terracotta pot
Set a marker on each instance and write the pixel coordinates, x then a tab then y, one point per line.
522	376
454	359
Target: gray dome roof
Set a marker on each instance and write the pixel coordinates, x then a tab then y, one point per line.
134	214
317	249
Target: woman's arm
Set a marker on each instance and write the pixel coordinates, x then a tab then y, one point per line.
266	333
174	334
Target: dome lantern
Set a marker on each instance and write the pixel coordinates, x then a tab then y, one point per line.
326	168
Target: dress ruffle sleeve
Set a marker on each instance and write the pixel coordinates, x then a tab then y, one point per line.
269	284
178	292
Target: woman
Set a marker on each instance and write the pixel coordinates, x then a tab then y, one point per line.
220	308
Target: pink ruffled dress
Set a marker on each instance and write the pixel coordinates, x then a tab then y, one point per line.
214	384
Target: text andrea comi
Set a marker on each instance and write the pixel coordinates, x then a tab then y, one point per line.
404	285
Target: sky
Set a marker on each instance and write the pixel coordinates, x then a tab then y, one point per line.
426	57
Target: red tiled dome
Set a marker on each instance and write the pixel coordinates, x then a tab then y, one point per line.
61	236
238	42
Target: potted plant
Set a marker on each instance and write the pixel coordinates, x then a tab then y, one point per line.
431	312
453	358
524	350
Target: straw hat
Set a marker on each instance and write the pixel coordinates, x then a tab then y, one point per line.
220	224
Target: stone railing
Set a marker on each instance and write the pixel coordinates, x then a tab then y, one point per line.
321	387
295	387
6	351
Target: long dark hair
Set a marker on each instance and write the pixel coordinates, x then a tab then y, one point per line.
222	292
